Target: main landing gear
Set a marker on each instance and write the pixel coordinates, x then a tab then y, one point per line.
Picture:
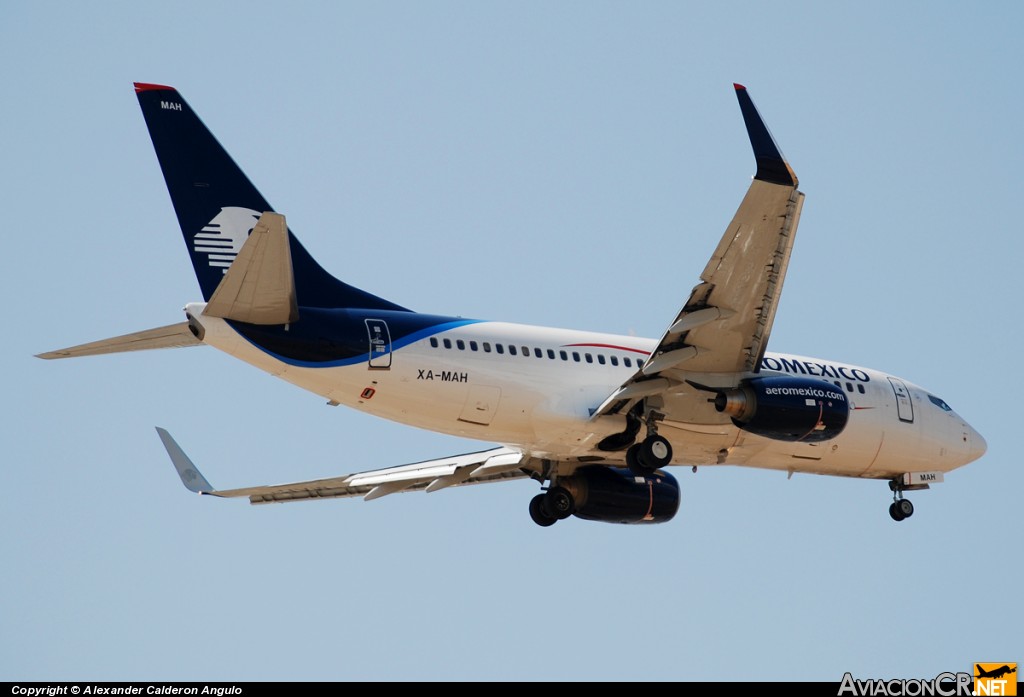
556	504
900	508
652	453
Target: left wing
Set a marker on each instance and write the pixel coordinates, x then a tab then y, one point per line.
723	328
492	465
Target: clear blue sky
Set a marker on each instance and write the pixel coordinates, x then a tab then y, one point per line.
569	164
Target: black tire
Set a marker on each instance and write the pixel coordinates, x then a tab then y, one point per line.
894	512
559	503
539	512
655	453
633	461
905	507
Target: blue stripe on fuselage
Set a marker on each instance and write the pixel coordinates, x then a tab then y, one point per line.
329	338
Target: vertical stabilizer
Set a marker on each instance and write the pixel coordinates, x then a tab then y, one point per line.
217	206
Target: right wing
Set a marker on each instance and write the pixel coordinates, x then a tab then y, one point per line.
172	336
493	465
722	330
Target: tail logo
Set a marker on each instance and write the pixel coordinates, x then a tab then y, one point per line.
222	238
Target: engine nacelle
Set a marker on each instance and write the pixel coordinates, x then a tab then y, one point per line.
616	495
787	408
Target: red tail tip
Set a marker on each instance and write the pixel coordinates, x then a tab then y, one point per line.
738	86
145	86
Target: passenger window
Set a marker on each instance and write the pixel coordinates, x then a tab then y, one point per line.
472	346
538	353
626	362
564	355
615	360
590	359
499	348
600	358
433	341
551	354
849	386
461	344
447	343
576	356
860	388
487	347
512	350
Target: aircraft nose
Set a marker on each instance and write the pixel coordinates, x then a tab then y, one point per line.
976	445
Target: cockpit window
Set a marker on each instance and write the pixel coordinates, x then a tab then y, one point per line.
939	403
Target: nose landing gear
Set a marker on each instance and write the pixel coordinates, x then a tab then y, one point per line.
900	508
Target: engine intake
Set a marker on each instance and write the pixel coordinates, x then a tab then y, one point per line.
787	408
616	495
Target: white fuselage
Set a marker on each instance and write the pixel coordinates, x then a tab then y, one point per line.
536	388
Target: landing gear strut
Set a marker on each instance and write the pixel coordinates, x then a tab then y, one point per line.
900	508
552	506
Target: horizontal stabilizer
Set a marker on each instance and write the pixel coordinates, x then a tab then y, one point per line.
259	286
171	336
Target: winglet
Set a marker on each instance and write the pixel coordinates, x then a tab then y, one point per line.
771	165
190	476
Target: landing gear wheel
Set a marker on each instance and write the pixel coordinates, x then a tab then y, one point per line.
633	461
901	509
559	503
655	452
539	513
905	508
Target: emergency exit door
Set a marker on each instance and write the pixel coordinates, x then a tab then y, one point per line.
380	344
904	404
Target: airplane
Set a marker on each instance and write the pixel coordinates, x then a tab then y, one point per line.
996	673
595	418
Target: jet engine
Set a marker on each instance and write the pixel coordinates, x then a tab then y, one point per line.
616	495
787	408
